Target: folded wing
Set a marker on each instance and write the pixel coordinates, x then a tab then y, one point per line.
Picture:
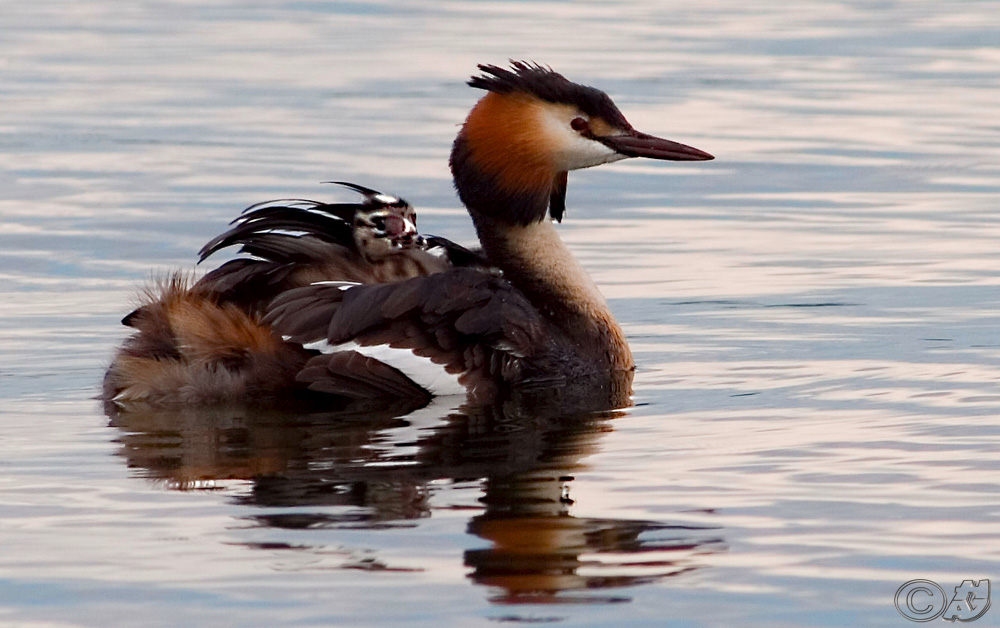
471	323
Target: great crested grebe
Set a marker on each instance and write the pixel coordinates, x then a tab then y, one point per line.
325	285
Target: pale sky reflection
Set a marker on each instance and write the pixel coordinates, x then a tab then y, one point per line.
814	314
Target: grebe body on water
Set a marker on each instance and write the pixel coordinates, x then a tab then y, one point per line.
322	289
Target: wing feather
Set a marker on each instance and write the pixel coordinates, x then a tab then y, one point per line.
330	223
472	322
357	376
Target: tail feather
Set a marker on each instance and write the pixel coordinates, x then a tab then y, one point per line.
189	348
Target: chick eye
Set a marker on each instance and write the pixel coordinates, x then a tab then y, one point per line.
379	222
579	124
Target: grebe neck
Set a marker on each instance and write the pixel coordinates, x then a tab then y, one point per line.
534	258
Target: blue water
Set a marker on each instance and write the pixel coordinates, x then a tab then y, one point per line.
814	317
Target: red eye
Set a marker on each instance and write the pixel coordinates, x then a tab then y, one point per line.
579	124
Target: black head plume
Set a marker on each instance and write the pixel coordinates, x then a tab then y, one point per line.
546	84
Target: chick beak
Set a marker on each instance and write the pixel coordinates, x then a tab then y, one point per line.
636	144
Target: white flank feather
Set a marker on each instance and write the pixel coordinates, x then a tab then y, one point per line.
428	375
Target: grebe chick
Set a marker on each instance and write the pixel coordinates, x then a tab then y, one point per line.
292	243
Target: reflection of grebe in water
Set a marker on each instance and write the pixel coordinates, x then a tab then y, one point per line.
374	470
541	554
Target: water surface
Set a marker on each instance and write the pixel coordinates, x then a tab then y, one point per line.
814	316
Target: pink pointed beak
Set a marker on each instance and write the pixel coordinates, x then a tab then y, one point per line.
636	144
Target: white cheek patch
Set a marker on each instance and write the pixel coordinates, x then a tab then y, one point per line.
428	375
584	153
571	150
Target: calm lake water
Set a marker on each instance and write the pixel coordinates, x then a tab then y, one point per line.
814	316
